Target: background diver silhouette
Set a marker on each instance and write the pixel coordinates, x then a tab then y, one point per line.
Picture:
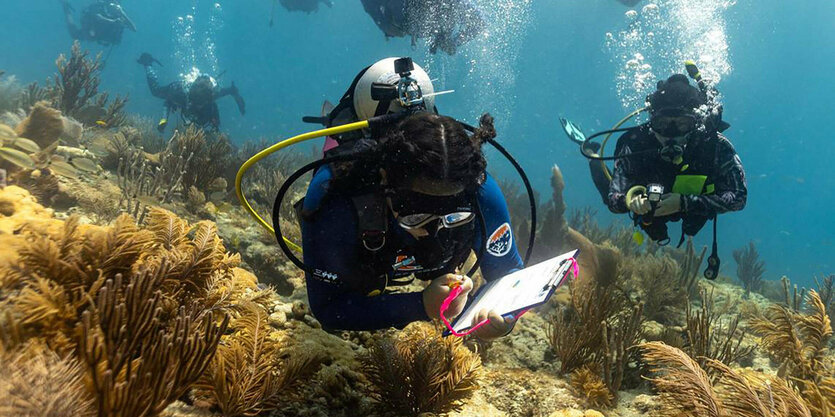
102	22
196	99
448	25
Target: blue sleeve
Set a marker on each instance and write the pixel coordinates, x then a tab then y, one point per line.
500	254
331	250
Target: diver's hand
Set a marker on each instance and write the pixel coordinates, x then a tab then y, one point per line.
437	291
669	204
639	205
238	99
497	327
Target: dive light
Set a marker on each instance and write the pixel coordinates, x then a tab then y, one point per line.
654	193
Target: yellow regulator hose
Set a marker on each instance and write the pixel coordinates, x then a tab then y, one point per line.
336	130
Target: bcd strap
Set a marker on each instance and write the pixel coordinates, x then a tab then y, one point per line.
371	219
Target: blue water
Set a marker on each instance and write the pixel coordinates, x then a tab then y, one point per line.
542	60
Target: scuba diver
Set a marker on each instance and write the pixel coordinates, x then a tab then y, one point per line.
102	22
195	99
308	6
630	3
448	25
402	193
677	166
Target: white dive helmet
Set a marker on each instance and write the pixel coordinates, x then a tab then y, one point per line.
383	72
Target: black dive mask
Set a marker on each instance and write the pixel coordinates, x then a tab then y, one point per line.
407	202
672	123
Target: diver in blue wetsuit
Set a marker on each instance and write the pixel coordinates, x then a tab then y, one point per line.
433	177
418	207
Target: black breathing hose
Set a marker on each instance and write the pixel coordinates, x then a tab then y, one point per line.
283	190
528	189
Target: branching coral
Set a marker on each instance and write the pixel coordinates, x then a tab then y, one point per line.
749	268
653	279
421	371
75	90
37	382
43	125
587	384
799	342
209	157
140	361
144	183
684	386
596	332
143	309
687	391
711	337
250	374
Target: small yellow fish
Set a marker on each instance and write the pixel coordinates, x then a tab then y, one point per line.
63	169
27	145
17	157
85	164
638	237
101	123
7	131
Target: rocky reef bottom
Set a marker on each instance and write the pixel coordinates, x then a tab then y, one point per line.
77	303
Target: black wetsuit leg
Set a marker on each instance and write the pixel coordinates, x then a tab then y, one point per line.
598	172
75	30
164	92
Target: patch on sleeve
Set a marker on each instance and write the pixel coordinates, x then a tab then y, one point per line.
325	276
500	241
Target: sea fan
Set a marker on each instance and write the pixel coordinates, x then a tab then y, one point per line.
684	386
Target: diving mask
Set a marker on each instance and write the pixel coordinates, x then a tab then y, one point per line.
416	210
673	126
449	221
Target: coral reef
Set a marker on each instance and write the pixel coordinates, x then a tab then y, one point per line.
588	385
799	343
75	90
44	125
712	338
596	331
111	315
686	390
749	268
142	310
421	371
250	375
38	382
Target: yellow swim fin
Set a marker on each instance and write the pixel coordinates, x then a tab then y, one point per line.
638	237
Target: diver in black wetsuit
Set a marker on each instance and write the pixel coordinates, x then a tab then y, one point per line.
447	25
682	154
307	6
102	22
196	100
